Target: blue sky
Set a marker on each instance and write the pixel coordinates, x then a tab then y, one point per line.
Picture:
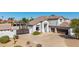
19	15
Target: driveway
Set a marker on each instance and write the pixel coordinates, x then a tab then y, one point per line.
47	40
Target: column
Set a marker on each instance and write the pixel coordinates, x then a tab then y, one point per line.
55	30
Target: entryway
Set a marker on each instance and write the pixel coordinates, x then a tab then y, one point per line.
45	27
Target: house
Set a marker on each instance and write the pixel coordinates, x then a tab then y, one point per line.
41	24
45	23
7	29
7	21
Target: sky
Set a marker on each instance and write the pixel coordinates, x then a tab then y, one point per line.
19	15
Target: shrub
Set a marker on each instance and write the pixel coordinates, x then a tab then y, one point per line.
36	33
38	45
4	39
28	42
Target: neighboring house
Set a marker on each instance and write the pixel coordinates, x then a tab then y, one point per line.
7	21
45	23
6	29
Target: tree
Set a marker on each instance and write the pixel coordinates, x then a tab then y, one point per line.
31	19
75	26
52	15
25	20
74	23
76	31
11	20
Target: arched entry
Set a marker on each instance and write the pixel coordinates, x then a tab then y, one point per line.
45	27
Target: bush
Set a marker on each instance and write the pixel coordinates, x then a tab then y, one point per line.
36	33
38	45
4	39
28	42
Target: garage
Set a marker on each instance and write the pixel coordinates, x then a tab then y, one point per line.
59	29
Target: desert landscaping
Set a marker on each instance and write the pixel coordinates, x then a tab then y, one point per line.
45	40
41	31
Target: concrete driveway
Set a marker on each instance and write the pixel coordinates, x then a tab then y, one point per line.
47	40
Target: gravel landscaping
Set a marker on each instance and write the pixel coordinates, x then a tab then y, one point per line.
45	40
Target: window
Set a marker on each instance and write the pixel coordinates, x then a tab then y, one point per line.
37	28
60	20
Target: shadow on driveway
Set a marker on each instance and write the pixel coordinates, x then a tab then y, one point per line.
66	36
70	41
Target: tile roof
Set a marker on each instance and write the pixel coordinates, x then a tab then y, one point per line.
6	21
65	24
5	26
43	18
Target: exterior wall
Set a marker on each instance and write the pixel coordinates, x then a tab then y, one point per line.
47	29
30	29
55	22
8	33
15	27
59	21
70	32
41	27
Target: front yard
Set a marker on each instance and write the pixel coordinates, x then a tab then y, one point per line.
46	40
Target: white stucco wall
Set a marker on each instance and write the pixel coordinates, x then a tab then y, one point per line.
30	29
59	22
8	33
70	32
41	27
55	22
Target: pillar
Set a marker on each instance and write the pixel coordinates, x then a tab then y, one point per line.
55	30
